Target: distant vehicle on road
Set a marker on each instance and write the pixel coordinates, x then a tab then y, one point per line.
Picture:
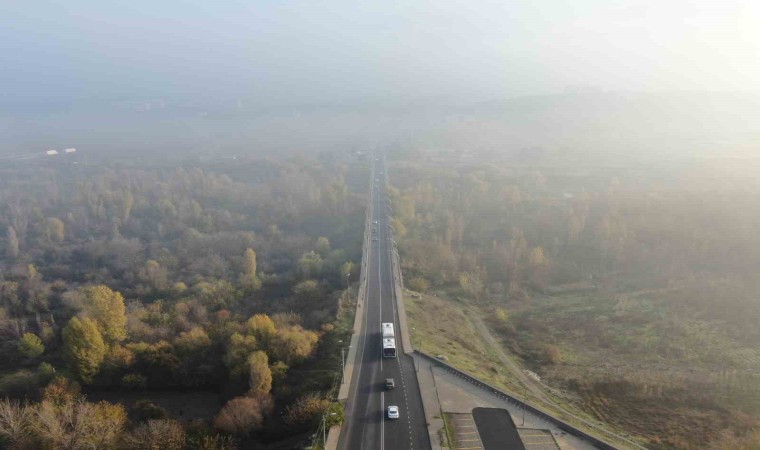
390	384
393	412
374	239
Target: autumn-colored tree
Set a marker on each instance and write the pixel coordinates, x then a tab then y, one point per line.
399	229
106	307
279	371
238	349
418	284
248	278
261	326
536	257
249	262
30	345
79	424
61	390
294	344
11	243
118	358
471	284
54	230
306	409
193	342
242	415
259	374
163	434
83	347
308	291
538	266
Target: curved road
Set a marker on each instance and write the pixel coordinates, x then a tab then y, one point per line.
367	426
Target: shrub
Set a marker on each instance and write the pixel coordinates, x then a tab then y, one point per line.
146	410
418	284
158	435
134	381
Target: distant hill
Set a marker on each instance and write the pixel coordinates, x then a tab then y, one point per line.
574	125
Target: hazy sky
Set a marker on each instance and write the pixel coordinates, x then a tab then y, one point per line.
318	50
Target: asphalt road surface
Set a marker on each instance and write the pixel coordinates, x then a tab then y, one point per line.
367	426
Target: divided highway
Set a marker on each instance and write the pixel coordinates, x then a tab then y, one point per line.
367	426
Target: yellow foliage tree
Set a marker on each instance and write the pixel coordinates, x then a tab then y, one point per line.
261	326
294	344
83	347
106	307
259	374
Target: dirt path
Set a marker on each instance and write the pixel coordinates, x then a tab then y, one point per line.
529	383
513	367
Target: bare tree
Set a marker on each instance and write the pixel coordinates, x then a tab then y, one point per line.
242	415
16	424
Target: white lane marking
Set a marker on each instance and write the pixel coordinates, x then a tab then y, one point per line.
380	293
397	322
366	322
382	422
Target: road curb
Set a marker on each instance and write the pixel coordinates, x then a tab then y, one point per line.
406	342
431	404
350	363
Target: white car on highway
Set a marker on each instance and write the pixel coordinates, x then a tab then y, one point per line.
393	412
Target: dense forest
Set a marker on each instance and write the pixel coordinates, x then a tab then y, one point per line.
633	288
123	283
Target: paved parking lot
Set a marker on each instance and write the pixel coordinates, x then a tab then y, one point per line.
536	439
465	432
457	395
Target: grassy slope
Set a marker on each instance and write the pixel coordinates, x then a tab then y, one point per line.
431	321
642	367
